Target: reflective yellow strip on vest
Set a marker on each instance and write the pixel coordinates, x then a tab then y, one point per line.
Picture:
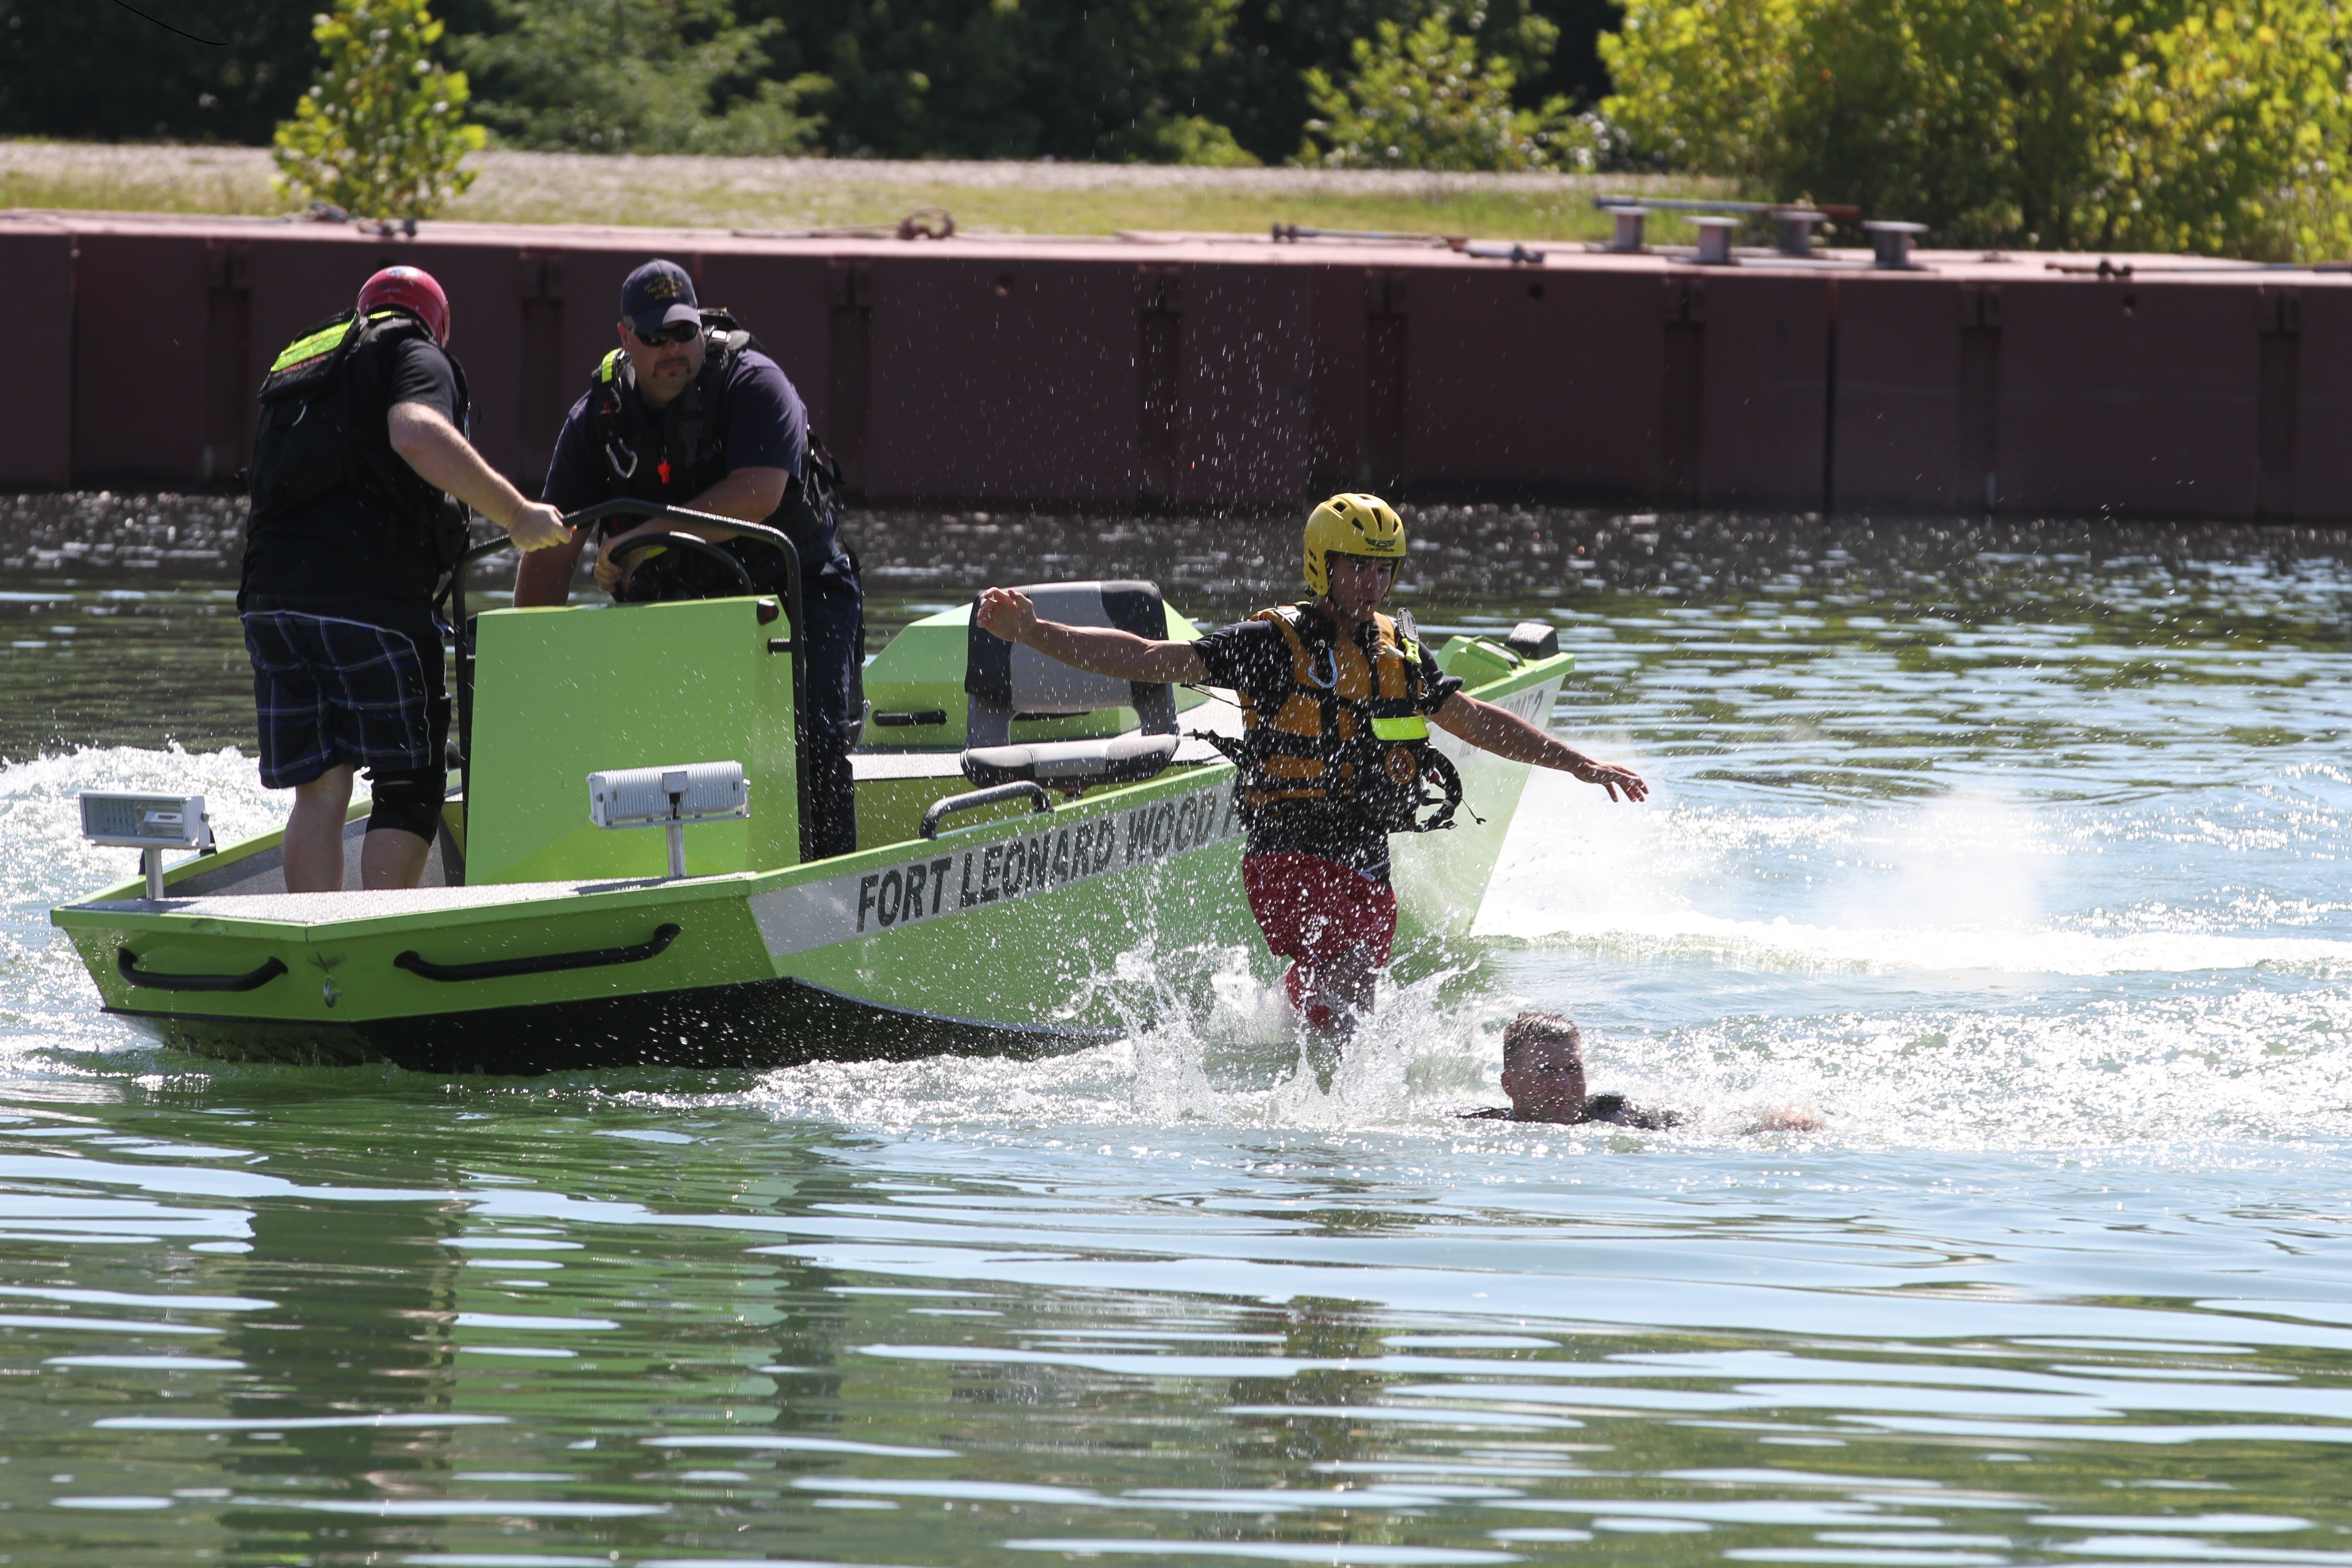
1410	728
311	347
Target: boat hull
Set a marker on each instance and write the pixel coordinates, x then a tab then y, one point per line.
753	1026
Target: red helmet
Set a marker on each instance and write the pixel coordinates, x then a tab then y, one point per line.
409	289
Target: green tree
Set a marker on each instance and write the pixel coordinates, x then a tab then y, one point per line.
1424	100
1113	79
383	131
1984	119
633	75
1256	83
1701	84
2156	124
2230	133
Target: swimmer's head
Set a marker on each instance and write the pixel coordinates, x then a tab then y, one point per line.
1543	1068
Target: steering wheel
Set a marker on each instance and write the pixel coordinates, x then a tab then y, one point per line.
753	533
692	546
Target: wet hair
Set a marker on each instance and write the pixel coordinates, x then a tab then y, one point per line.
1525	1032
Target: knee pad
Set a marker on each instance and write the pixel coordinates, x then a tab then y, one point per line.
409	799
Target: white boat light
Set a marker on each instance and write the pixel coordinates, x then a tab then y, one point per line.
670	798
148	823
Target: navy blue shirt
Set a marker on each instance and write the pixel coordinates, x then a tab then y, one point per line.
764	425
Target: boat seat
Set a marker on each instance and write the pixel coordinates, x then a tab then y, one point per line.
1003	682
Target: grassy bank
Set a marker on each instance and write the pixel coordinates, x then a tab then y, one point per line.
772	193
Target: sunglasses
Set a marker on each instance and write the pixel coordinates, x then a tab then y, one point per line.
676	332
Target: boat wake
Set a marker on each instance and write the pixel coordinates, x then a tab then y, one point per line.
1966	882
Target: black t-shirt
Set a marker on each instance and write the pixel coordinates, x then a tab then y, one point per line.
763	423
1254	659
346	546
1613	1109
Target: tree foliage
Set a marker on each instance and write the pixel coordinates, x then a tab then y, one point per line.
2156	124
1424	100
1217	81
1008	79
103	73
2233	133
383	131
632	76
1257	83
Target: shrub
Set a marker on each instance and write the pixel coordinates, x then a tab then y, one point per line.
1423	100
634	76
1110	80
383	131
1197	138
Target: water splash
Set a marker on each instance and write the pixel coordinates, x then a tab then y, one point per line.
1958	982
50	1018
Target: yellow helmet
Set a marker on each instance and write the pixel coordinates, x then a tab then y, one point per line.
1351	524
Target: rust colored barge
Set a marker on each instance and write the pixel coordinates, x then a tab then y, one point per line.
1227	373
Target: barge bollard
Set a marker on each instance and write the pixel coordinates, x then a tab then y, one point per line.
1715	241
1795	228
1628	236
1890	243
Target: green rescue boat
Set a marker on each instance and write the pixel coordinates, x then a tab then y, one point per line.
972	921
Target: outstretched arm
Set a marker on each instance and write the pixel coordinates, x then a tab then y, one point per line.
1098	650
1505	733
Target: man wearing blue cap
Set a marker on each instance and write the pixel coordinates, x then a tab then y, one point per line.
690	411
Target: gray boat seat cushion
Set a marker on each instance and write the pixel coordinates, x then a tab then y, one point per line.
1073	764
1002	680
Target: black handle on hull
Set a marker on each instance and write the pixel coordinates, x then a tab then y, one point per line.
546	963
127	963
1035	794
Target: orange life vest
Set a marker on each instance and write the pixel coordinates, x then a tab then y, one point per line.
1349	730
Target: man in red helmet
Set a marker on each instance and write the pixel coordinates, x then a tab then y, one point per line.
360	460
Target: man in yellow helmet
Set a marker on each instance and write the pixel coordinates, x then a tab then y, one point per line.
1337	702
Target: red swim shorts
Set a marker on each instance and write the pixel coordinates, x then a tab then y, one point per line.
1315	910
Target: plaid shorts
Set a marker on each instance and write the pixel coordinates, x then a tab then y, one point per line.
332	692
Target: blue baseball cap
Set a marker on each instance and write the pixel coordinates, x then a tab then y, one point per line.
657	294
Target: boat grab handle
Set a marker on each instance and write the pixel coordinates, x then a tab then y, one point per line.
127	963
1033	793
546	963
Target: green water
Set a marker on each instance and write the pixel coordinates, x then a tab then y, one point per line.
2018	852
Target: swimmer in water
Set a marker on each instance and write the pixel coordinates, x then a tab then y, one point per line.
1543	1073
